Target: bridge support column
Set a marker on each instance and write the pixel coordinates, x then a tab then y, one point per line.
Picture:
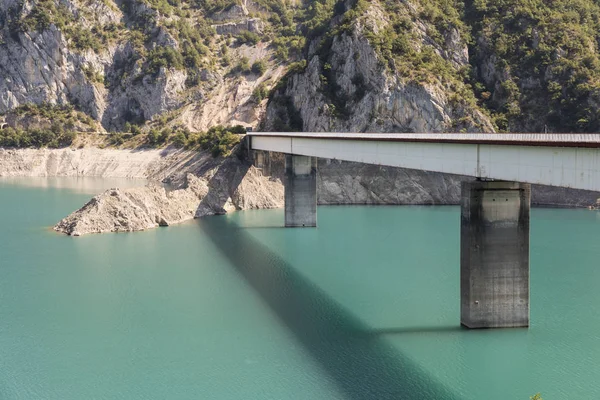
494	259
300	191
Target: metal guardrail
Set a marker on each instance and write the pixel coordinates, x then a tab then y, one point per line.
590	140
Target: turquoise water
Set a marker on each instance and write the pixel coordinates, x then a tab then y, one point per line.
236	307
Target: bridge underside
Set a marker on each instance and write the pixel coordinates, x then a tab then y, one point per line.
571	161
494	262
495	214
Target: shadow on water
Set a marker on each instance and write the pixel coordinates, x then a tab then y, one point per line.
363	366
417	329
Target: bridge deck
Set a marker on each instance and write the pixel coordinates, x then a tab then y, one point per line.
520	139
566	160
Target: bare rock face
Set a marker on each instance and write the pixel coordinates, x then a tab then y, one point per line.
234	186
356	183
134	209
106	83
237	11
171	165
254	25
373	99
231	185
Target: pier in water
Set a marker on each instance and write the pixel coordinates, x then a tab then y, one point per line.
366	306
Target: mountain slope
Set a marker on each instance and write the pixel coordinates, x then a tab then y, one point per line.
354	65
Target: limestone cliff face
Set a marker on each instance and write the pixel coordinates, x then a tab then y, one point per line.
40	66
346	86
121	72
169	165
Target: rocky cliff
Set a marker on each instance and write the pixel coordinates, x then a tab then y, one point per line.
347	85
130	61
355	65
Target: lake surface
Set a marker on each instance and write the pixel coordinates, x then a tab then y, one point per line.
237	307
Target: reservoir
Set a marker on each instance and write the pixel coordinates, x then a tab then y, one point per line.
366	306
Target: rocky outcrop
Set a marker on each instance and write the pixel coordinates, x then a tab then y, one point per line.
198	185
347	87
135	209
237	11
254	25
230	185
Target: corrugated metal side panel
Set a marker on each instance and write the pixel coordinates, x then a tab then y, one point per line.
530	139
574	167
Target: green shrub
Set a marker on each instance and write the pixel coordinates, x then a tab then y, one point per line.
214	6
166	57
83	39
220	140
249	38
260	93
179	140
259	67
243	66
116	139
55	137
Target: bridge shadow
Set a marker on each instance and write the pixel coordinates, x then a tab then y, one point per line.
412	330
359	362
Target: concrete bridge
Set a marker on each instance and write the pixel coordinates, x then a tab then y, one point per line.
495	208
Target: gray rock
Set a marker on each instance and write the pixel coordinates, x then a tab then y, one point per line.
254	25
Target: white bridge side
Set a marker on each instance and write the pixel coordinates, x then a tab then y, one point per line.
572	167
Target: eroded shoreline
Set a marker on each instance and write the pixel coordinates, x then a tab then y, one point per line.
200	185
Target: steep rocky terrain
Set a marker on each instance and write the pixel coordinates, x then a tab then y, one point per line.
356	65
133	60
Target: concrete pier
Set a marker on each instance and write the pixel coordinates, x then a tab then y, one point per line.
494	260
300	191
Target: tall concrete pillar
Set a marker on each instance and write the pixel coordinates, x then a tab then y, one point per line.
300	191
494	254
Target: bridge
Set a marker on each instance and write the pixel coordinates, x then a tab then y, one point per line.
495	207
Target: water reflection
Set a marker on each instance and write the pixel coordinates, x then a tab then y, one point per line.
83	185
363	366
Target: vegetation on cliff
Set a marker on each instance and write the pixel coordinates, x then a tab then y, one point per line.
528	66
537	62
44	125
